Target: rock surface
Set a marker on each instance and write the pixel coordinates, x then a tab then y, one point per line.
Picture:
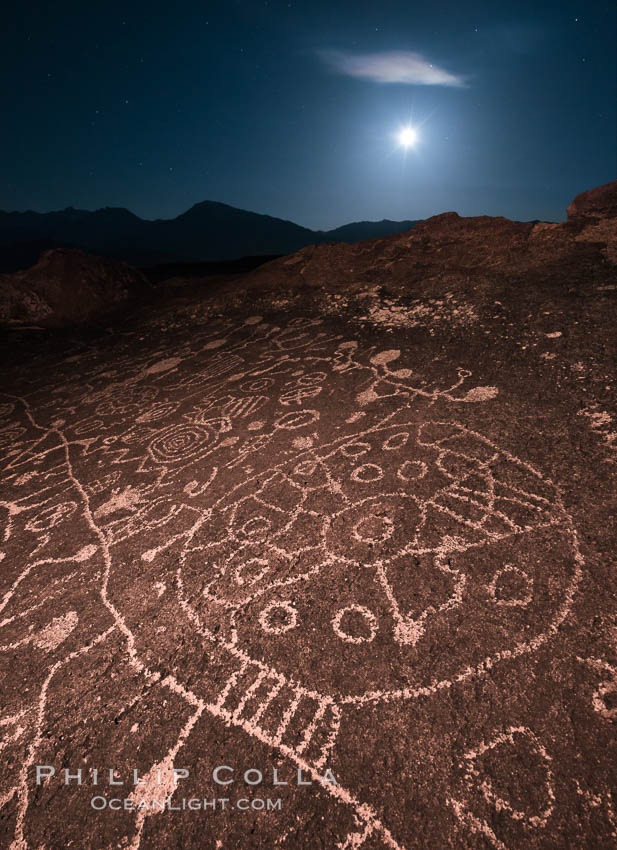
67	286
450	251
363	524
600	202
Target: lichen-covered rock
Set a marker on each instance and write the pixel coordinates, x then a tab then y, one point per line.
66	286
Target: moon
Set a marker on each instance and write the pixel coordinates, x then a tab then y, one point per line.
407	137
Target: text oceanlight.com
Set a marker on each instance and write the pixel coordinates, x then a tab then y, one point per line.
254	804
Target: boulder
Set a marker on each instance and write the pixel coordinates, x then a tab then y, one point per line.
593	215
67	286
598	203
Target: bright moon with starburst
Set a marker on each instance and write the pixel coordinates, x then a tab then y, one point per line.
407	137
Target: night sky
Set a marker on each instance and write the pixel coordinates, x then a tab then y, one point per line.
293	109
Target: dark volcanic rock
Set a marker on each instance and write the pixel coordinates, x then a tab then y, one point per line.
66	286
600	202
593	215
450	253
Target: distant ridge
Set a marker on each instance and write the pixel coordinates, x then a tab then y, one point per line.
208	231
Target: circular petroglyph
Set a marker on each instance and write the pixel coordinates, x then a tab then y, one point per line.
250	571
367	473
305	469
395	441
373	529
311	379
411	469
179	442
355	624
158	411
256	385
256	528
451	532
511	586
278	618
297	419
390	520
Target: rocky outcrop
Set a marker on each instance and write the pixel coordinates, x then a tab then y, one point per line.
448	252
65	287
593	215
598	203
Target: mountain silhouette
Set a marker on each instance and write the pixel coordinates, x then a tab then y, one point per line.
208	231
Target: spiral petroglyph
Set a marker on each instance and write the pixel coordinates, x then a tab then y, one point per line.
293	544
179	442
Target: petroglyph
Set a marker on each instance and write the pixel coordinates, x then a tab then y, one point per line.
390	312
377	557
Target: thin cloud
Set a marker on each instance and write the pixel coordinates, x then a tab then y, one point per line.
390	67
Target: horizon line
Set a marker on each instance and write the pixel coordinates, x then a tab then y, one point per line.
267	215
